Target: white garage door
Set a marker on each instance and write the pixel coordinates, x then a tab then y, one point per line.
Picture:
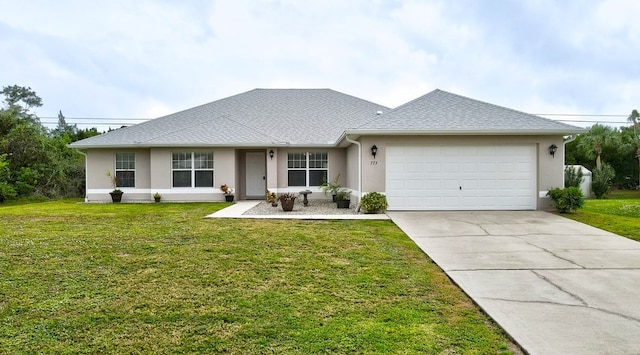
429	177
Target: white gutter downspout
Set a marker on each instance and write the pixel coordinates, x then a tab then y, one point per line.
571	139
359	164
85	174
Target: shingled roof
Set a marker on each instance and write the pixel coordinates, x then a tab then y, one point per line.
320	117
441	112
310	117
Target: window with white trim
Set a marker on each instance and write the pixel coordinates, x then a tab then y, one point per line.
192	169
125	170
307	168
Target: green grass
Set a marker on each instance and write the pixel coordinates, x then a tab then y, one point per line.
624	194
159	278
620	215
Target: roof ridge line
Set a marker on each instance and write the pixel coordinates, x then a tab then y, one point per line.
198	106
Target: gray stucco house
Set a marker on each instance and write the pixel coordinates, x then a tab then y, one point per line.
440	151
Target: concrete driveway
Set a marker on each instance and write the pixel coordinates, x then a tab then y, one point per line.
555	285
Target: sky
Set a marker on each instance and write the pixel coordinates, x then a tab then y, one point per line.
111	62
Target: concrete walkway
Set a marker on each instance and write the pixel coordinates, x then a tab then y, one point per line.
555	285
237	209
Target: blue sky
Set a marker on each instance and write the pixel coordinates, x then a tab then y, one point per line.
145	59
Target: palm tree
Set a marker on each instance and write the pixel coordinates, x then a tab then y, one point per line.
594	142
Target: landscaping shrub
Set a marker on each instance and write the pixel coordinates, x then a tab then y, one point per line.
6	191
373	202
602	178
568	199
572	176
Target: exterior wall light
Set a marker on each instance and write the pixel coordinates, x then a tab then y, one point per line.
271	154
552	150
374	151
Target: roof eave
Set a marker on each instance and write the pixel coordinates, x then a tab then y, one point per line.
355	133
490	132
201	145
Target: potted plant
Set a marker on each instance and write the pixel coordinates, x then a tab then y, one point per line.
272	198
116	194
343	198
373	202
287	200
157	197
331	186
228	193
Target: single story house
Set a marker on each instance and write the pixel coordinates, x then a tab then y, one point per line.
441	151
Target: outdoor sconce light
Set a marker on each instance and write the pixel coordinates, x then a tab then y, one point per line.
552	150
271	154
374	151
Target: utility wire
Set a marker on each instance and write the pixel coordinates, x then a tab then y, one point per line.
105	121
97	118
576	114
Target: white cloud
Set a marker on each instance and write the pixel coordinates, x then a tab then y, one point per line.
124	59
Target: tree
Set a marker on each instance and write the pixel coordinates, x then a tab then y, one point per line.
6	189
35	161
25	146
573	177
621	151
20	101
593	143
14	95
63	128
634	118
85	133
602	177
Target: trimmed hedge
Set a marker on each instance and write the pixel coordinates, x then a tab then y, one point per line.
373	202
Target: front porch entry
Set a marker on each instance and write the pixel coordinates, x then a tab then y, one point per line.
255	179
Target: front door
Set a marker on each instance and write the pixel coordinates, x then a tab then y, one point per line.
255	179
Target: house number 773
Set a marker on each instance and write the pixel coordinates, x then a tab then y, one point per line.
374	162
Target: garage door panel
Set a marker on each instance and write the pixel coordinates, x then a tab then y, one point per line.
470	167
431	185
414	168
491	177
432	166
415	184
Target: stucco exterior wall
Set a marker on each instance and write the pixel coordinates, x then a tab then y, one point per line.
549	169
224	173
337	165
352	179
153	167
101	161
153	174
273	176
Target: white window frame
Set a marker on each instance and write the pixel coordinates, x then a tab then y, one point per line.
192	169
306	162
122	166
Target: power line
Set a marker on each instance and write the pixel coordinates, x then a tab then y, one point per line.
97	118
105	121
577	114
95	121
585	115
593	121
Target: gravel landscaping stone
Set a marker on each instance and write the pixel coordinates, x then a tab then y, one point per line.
315	207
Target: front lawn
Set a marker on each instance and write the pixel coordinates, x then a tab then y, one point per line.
158	278
624	194
620	215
